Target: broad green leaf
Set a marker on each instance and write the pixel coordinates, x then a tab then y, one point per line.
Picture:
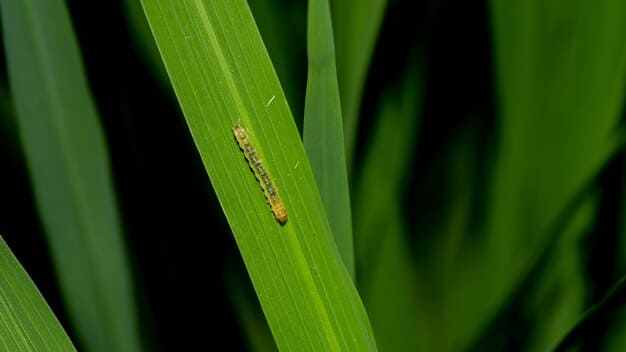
357	25
323	131
26	321
222	75
69	168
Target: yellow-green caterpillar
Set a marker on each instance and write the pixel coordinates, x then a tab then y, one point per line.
269	189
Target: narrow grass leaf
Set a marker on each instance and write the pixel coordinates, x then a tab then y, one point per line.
26	321
323	131
222	76
68	162
356	30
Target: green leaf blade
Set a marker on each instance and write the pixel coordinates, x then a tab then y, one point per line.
26	321
323	130
222	75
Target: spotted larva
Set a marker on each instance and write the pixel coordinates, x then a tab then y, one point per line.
269	189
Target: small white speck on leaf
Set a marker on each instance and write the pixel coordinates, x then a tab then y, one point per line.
270	101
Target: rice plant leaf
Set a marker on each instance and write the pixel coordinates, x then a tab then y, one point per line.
26	321
356	30
222	75
67	158
323	130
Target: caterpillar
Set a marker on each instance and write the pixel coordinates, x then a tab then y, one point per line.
255	163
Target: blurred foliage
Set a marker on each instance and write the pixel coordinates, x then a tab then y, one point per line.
68	163
484	145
